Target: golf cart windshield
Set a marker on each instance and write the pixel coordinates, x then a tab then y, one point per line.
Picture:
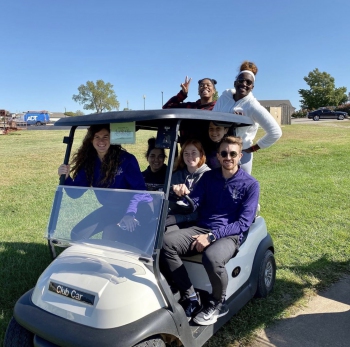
97	216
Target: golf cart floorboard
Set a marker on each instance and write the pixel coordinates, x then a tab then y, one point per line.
201	334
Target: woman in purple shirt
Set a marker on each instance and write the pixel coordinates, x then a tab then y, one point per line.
97	163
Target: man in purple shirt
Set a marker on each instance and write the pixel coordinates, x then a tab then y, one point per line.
226	199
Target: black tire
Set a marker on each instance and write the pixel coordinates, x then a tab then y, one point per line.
154	341
16	336
340	117
316	118
267	275
38	123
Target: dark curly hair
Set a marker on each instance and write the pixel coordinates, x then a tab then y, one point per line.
152	145
85	157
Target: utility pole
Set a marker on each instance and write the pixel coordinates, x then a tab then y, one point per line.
162	99
144	102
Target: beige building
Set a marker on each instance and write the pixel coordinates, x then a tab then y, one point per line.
281	110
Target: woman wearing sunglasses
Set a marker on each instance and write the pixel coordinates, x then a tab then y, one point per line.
240	100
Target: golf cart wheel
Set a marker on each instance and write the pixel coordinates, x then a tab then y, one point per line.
16	336
154	341
267	275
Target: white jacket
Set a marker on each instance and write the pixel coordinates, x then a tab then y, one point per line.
251	108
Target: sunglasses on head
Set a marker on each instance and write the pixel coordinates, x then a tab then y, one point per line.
247	82
232	154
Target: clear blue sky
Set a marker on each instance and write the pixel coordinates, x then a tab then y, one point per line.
49	48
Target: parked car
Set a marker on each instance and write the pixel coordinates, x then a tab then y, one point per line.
326	113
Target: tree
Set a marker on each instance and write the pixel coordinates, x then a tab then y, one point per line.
215	96
74	114
69	114
99	96
322	91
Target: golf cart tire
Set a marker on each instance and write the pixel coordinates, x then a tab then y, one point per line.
16	336
267	275
154	341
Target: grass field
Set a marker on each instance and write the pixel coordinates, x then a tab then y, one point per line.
305	194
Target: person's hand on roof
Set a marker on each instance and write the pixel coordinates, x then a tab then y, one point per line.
186	85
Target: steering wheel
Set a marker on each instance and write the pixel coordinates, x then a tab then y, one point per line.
178	206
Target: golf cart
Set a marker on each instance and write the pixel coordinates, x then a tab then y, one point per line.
101	292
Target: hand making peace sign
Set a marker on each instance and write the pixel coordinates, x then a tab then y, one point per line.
185	86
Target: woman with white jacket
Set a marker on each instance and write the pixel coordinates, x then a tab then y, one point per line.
240	100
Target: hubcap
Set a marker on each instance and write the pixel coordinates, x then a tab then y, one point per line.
268	274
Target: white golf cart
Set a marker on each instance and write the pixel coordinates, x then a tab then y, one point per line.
100	292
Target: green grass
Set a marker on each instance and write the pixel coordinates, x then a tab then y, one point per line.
305	191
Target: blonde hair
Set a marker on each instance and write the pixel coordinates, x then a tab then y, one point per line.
231	140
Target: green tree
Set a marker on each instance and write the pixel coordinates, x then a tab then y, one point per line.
322	91
215	96
69	114
79	113
99	96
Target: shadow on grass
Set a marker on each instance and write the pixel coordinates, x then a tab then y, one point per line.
21	266
259	313
322	269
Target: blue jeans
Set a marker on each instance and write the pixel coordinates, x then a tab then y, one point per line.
177	243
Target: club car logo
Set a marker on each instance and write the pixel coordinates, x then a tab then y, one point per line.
71	293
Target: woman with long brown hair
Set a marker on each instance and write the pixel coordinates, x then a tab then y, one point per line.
98	163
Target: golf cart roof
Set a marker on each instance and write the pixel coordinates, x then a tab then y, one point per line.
152	118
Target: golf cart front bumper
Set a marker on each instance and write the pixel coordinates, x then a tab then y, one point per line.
51	330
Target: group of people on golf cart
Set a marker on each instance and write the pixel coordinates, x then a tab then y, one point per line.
216	177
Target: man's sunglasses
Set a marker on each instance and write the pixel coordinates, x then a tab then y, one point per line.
247	82
232	154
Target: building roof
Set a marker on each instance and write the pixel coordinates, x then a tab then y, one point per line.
275	103
57	115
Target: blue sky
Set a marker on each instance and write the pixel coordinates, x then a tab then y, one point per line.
49	48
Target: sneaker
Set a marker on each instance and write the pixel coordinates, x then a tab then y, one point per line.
191	308
211	313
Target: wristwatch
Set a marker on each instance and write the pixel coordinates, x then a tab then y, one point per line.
212	237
